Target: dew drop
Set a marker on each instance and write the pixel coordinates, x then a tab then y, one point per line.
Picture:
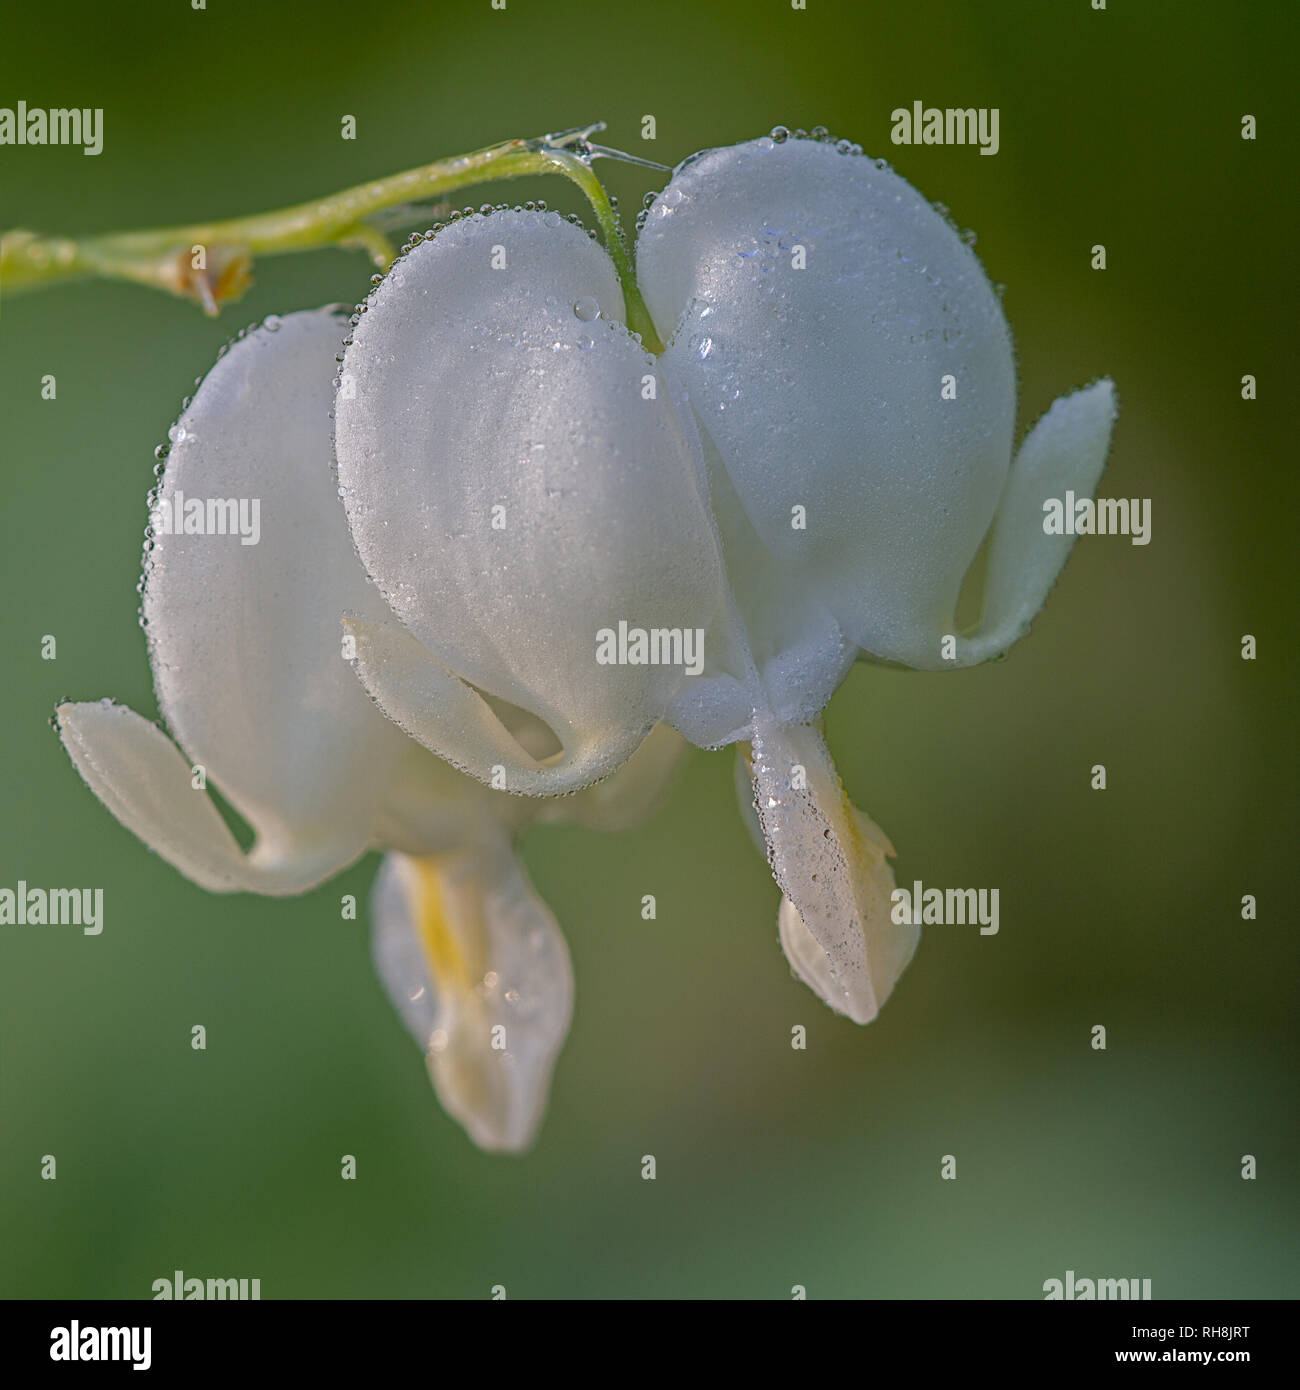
586	308
780	134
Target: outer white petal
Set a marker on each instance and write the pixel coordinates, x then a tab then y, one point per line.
478	969
888	947
821	386
829	860
245	639
1064	452
144	780
474	383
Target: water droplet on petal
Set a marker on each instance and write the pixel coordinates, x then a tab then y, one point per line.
586	308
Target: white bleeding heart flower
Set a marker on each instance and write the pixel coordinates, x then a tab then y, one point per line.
247	651
805	475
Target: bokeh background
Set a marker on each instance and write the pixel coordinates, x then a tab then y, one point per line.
775	1167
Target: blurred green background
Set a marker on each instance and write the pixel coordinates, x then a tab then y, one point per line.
775	1167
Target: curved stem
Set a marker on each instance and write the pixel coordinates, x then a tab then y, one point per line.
211	262
638	316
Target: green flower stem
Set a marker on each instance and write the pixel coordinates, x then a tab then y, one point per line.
164	257
638	316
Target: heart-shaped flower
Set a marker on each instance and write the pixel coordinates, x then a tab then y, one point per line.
252	677
557	518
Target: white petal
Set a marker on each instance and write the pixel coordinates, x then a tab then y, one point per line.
470	388
775	649
445	714
431	808
245	639
1064	452
477	967
821	386
145	781
889	946
743	781
830	862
